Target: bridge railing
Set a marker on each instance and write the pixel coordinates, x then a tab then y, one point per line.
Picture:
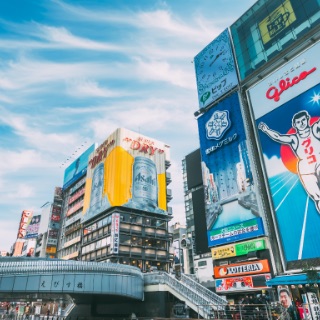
200	298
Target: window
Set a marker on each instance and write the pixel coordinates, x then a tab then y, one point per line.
202	263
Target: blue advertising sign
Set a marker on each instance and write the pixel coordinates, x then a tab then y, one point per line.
230	197
290	141
215	70
77	168
236	232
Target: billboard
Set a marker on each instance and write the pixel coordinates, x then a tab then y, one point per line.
115	233
77	168
128	170
238	249
232	212
215	70
268	28
286	111
26	216
33	227
239	269
245	283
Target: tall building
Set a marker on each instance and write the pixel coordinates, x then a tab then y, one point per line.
69	245
117	210
195	197
257	82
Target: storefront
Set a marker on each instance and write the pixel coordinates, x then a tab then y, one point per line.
299	292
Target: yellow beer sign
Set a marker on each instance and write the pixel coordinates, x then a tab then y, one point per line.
281	18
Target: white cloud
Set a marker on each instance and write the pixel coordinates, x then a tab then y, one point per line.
64	37
90	88
163	71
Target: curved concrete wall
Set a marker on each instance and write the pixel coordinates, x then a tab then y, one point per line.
60	276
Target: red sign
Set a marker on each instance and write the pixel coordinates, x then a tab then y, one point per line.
231	270
55	217
242	283
275	93
25	218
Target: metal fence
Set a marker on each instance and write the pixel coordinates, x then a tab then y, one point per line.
267	311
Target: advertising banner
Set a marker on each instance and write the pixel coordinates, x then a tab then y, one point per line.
239	269
215	70
31	248
115	233
128	170
238	249
289	135
243	283
33	227
51	250
230	197
77	168
268	28
24	222
288	310
53	234
235	232
311	302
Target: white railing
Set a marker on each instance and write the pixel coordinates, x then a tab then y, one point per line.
199	298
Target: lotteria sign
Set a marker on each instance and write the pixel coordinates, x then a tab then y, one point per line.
238	249
292	79
254	267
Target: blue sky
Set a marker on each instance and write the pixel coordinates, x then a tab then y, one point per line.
71	72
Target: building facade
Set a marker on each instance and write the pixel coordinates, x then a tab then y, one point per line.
256	82
69	246
117	208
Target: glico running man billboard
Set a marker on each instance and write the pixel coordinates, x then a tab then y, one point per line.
128	170
286	108
230	199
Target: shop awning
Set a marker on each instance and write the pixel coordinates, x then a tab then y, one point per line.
295	279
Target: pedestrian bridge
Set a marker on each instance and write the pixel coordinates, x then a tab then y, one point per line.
78	282
43	276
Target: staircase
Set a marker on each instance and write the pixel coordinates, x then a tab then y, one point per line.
195	296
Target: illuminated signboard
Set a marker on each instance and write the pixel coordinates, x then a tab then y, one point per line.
24	222
231	270
115	233
288	130
77	168
268	28
230	197
51	250
245	283
33	227
238	249
128	170
215	70
277	21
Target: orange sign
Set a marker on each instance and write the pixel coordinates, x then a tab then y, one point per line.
231	270
51	249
